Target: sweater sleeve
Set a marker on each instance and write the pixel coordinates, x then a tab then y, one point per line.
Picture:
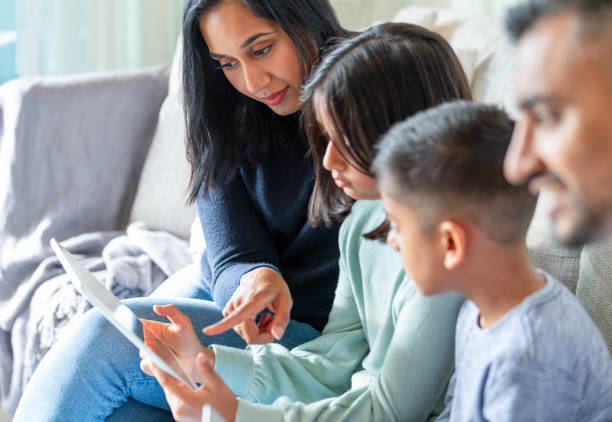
410	383
448	402
237	240
317	369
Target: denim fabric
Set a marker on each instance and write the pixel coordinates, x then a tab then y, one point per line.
93	372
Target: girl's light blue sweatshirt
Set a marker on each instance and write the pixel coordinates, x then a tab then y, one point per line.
385	354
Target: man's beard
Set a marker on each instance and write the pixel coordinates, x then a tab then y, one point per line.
588	224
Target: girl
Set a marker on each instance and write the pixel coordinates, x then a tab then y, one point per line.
386	352
243	65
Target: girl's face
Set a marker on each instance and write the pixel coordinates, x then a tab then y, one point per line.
355	182
255	54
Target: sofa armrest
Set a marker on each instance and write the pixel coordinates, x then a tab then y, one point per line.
594	287
71	152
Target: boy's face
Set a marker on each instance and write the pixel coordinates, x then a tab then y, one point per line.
422	252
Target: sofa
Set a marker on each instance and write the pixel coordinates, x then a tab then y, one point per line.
97	161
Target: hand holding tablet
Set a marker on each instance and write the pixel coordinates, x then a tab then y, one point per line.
120	316
156	341
178	336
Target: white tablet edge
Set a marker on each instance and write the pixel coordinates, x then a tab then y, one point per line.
97	294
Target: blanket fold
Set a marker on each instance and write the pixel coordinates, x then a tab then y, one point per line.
130	264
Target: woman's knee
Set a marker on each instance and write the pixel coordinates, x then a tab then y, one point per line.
93	338
185	283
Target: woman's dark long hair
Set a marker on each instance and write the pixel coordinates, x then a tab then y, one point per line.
224	127
365	85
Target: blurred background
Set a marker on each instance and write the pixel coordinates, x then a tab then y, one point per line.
51	37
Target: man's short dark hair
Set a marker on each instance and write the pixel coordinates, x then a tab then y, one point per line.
594	15
448	160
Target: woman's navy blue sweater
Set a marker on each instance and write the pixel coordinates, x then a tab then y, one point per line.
259	219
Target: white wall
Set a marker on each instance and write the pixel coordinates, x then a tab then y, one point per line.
356	14
70	36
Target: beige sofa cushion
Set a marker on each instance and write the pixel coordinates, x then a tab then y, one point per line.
162	191
481	45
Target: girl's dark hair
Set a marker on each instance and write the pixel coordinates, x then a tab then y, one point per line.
224	127
366	84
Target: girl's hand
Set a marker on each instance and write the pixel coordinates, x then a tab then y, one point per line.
179	337
186	404
259	289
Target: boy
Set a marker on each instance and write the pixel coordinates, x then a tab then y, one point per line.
525	349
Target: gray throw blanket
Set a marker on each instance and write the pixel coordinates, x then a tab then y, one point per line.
130	265
71	152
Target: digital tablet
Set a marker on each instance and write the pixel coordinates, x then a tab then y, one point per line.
114	311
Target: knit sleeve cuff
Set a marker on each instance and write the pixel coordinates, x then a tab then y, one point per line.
248	412
235	366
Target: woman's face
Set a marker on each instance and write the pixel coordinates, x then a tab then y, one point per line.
355	181
255	54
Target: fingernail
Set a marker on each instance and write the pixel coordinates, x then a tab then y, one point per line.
278	332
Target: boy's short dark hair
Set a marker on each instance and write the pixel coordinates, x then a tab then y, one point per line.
448	161
594	15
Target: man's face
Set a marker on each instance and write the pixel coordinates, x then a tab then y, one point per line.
563	139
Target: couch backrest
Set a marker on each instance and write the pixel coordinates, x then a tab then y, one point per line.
162	191
482	46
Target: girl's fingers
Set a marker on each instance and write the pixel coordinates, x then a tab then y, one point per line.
211	378
146	367
152	331
154	326
162	310
169	383
173	314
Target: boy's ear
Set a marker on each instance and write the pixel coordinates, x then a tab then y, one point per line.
454	242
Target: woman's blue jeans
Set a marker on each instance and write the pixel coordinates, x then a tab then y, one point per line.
93	372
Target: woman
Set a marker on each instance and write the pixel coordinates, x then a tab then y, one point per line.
244	63
386	352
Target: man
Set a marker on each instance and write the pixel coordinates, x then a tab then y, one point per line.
563	140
